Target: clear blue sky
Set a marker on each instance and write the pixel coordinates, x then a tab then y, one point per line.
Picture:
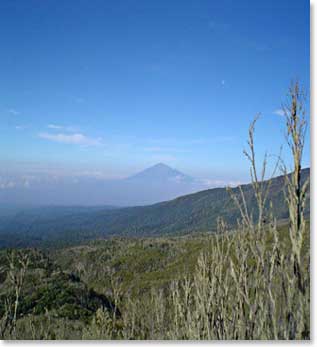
118	86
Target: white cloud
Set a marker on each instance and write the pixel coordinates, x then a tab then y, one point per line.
13	111
7	185
279	112
54	126
211	183
20	127
73	139
62	127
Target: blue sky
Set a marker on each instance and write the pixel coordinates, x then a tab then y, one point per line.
117	86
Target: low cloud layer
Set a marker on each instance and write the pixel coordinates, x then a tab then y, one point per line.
279	112
73	139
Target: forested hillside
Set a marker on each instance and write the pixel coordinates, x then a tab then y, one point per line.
125	288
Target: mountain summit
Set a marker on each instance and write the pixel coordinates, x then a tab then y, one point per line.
157	183
161	172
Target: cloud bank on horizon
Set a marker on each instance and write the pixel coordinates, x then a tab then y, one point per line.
154	184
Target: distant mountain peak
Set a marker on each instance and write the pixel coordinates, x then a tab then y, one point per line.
160	165
161	172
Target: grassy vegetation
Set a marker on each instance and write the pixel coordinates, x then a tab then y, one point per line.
67	293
